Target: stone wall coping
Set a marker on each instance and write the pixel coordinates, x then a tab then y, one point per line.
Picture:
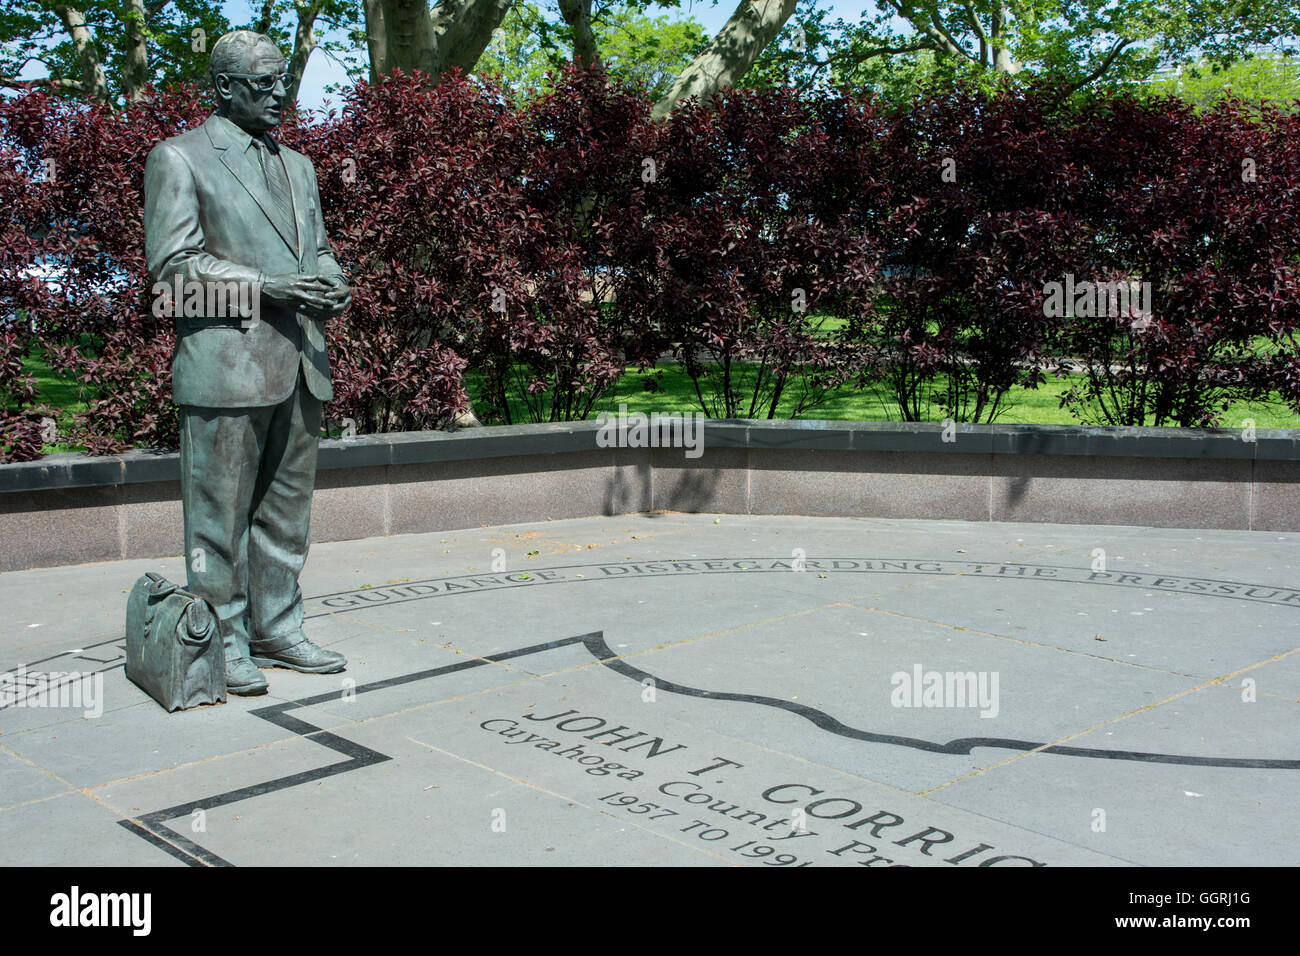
498	441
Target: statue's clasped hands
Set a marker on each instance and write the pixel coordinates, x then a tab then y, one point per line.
321	297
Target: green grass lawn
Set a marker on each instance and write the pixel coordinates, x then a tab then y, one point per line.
676	393
59	392
1022	406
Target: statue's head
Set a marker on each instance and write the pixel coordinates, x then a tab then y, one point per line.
249	79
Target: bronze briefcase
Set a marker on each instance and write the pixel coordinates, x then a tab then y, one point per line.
173	645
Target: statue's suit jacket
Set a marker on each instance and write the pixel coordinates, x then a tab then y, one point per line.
208	219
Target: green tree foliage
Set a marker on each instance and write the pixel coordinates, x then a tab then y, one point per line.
904	44
648	51
108	50
36	41
634	47
1267	78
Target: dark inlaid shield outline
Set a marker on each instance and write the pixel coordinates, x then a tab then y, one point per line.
154	827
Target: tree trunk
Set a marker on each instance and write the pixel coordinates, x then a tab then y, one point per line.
1002	62
93	83
464	28
732	52
376	39
304	41
408	36
577	14
455	33
135	71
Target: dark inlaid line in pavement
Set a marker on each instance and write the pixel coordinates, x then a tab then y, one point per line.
154	826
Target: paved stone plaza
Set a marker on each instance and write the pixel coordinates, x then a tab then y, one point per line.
693	690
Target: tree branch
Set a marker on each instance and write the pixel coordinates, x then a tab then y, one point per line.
753	25
861	56
1101	68
54	82
263	24
952	44
936	32
974	22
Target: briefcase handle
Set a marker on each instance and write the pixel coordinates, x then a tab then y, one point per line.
159	588
197	618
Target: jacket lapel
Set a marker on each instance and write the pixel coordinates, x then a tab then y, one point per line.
245	169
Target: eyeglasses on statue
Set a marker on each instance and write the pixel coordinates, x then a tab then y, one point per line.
264	82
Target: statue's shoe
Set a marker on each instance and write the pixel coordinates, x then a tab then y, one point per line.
243	678
304	656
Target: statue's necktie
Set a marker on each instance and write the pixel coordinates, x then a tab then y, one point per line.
277	184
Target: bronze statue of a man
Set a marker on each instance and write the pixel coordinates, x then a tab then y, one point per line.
234	216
